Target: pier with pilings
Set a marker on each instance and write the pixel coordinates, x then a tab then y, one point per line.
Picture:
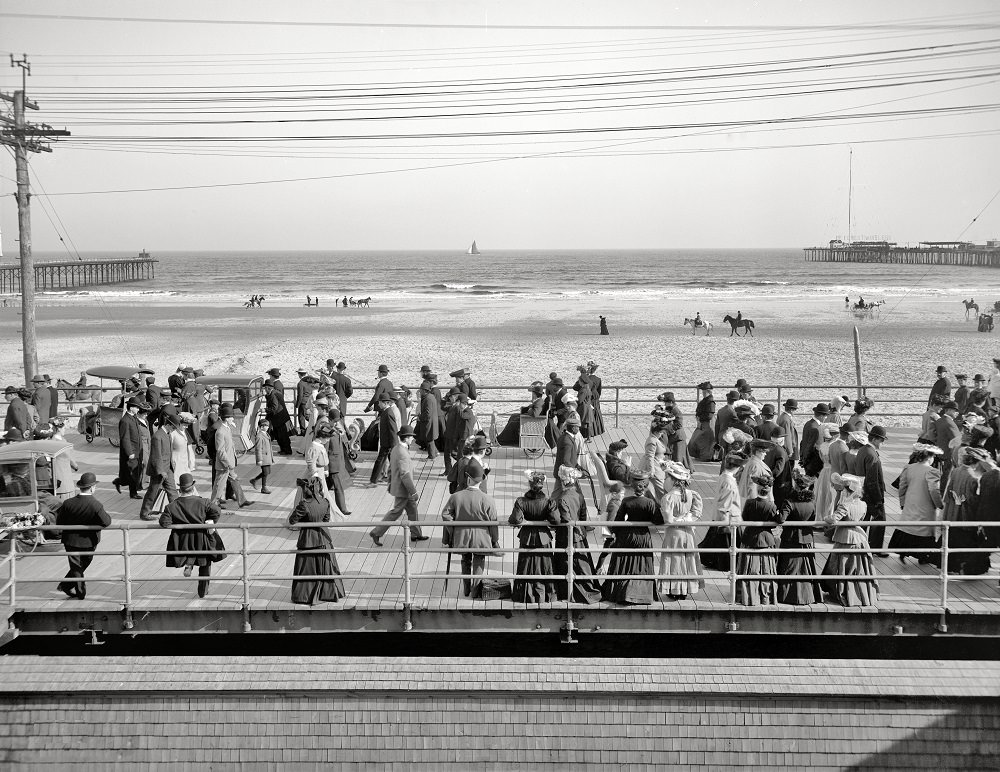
71	274
925	253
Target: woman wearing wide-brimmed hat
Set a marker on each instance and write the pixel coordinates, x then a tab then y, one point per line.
314	556
797	513
638	540
919	499
535	513
681	508
852	555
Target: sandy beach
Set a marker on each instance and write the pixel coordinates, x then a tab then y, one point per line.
508	341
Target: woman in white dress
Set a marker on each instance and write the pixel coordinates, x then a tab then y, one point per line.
826	496
754	467
317	461
681	508
181	450
654	453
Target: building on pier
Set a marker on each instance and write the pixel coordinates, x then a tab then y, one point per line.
925	253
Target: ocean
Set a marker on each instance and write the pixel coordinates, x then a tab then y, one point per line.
398	276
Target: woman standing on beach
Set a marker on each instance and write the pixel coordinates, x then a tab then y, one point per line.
728	508
681	507
639	541
798	514
919	499
535	513
852	555
572	508
761	517
314	548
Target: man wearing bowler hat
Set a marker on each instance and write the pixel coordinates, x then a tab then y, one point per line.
130	455
383	388
82	509
941	386
767	423
464	383
41	398
344	388
402	488
225	460
868	465
160	467
277	414
810	430
786	422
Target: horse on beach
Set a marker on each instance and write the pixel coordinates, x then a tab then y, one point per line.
746	324
365	302
970	305
696	323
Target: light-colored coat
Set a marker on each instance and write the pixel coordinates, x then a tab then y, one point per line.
401	473
225	448
262	449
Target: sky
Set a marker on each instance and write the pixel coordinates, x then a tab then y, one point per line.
523	125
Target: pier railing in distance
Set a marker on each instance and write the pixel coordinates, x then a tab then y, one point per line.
20	543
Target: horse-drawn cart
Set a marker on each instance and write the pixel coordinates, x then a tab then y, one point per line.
104	421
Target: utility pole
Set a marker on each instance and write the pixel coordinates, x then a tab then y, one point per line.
25	137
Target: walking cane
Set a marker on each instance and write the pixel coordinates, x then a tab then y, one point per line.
447	572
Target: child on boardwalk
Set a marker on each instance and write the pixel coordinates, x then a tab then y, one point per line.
262	450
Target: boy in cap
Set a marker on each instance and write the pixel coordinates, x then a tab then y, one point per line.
82	509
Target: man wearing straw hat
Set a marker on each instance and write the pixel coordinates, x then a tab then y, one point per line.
82	509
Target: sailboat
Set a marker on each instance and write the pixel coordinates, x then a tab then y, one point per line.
473	250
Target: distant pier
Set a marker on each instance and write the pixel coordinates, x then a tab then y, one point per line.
81	273
925	253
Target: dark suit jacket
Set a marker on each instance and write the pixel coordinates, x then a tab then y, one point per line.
161	460
941	386
18	416
725	418
383	390
344	388
303	393
128	436
53	402
387	428
763	430
945	430
82	510
335	451
468	387
810	437
312	511
867	464
565	453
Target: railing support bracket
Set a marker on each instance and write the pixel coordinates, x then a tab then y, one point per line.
127	623
407	618
246	619
567	633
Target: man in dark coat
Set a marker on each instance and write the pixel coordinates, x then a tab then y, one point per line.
303	397
464	383
53	399
554	385
154	397
778	462
810	430
343	386
786	422
470	504
388	428
946	432
277	414
566	449
726	416
767	423
18	416
962	393
336	450
82	509
41	398
191	509
941	386
176	381
460	423
160	467
429	417
130	456
383	388
868	465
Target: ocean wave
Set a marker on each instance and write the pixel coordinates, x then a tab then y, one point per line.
110	293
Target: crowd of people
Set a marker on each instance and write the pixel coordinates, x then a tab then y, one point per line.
779	483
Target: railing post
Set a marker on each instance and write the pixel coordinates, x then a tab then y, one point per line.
617	404
732	564
407	620
127	564
13	568
244	552
569	628
943	624
779	398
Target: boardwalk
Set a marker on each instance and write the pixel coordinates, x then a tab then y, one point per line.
159	598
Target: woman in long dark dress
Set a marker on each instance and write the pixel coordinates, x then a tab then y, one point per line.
640	508
797	507
702	443
595	398
315	555
758	536
729	509
572	508
190	509
534	512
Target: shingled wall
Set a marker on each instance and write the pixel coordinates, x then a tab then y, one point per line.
453	713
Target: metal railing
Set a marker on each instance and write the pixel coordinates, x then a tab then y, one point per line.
408	575
618	401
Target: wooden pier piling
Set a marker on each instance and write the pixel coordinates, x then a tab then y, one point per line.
926	253
71	274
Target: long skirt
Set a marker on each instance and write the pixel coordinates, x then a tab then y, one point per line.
857	562
597	425
968	563
911	546
311	562
677	564
536	559
798	593
585	589
680	454
510	435
826	496
702	443
717	537
756	592
632	591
